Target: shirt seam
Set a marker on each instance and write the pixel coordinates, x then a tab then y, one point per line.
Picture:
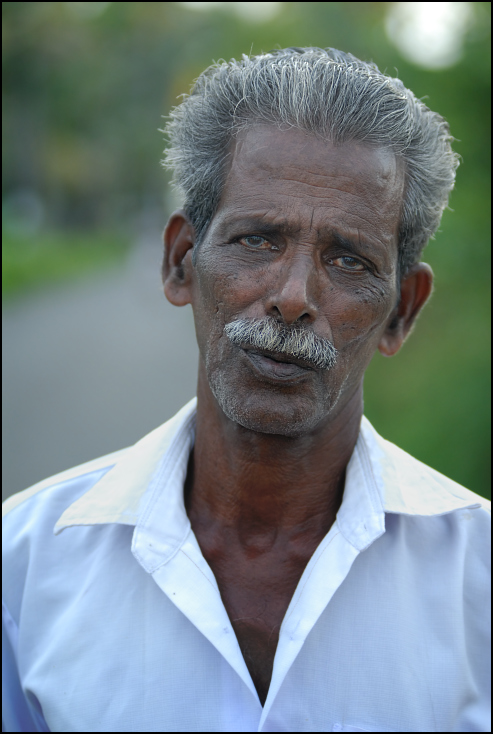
169	557
183	432
102	519
365	465
363	449
199	569
309	575
11	628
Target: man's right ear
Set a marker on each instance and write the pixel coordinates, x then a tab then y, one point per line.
177	266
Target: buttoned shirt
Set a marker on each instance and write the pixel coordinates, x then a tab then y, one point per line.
113	620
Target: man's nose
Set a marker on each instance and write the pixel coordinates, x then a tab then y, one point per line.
292	297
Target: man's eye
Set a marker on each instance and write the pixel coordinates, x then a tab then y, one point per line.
348	263
255	242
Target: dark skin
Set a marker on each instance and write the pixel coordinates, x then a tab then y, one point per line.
306	232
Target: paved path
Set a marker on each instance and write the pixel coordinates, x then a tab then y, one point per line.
90	367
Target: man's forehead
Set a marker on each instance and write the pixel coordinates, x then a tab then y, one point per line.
266	149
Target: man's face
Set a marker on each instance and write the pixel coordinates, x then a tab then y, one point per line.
305	233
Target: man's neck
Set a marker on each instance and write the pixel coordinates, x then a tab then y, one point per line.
256	489
259	505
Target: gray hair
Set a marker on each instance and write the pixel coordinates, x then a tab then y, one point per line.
292	340
329	93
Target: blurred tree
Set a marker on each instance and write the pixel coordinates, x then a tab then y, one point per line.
84	89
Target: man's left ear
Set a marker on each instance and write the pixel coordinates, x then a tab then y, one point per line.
177	261
416	288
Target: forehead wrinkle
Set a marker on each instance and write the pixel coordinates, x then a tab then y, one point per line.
306	189
255	161
318	179
358	187
276	214
314	195
385	167
275	174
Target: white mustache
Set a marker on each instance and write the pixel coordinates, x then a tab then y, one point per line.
293	341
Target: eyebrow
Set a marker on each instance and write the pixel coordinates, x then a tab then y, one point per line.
349	244
327	233
258	224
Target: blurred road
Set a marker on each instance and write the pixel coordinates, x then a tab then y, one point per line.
92	366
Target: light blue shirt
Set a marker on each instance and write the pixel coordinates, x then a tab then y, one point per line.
113	619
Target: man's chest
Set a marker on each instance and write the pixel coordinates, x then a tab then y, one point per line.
256	596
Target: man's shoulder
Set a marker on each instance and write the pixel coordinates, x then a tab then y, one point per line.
132	467
69	484
415	473
28	523
411	487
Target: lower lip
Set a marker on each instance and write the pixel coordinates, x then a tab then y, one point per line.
279	371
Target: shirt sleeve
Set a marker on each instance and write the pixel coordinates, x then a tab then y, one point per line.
17	714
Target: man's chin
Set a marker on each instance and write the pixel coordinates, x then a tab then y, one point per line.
279	415
273	425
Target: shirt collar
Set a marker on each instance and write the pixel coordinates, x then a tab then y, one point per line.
406	485
117	496
380	478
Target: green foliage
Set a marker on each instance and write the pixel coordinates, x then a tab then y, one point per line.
84	94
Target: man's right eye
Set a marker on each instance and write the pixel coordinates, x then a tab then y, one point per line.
255	242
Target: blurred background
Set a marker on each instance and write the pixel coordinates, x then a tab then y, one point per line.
93	355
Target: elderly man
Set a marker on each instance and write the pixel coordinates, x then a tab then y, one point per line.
265	561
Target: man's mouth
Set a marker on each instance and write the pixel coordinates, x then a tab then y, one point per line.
278	366
280	343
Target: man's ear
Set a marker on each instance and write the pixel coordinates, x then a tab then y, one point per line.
179	238
416	288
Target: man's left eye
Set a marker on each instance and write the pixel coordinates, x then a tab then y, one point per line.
348	263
